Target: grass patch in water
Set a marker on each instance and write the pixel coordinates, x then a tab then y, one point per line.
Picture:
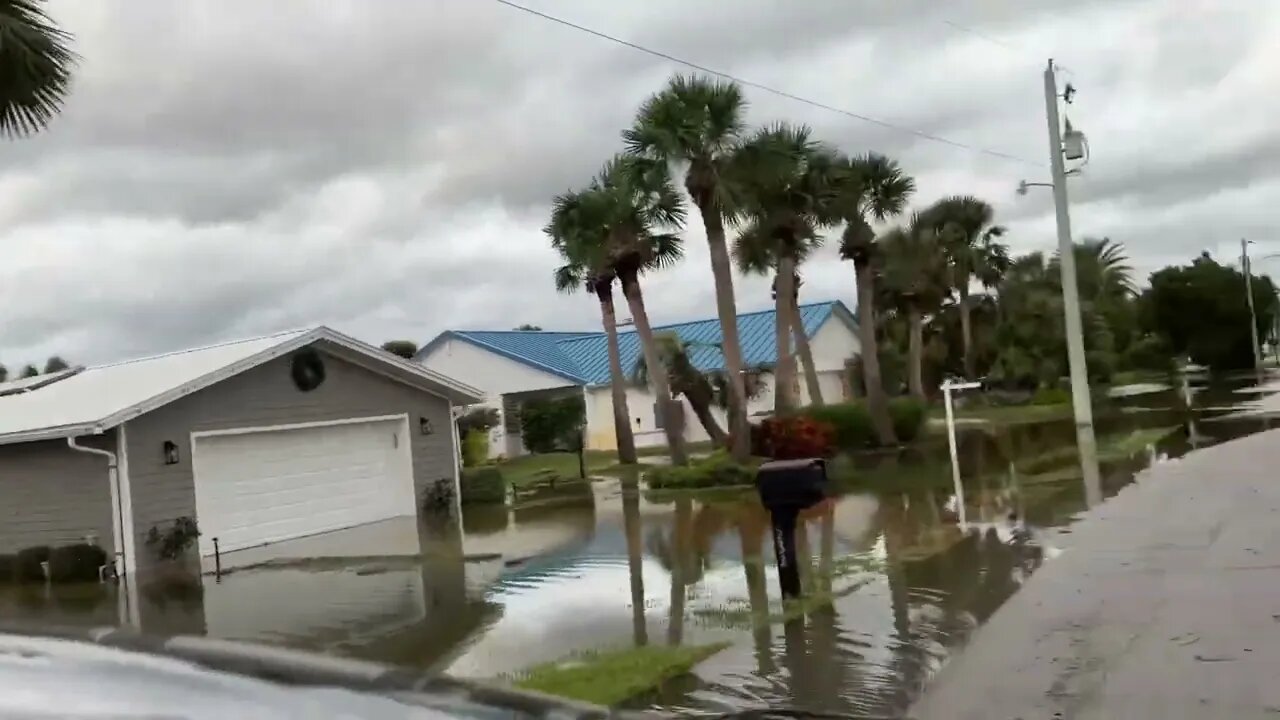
610	677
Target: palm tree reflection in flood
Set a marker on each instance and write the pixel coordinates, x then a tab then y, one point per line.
634	528
752	529
678	555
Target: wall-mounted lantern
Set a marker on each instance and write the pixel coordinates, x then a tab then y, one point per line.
424	426
170	453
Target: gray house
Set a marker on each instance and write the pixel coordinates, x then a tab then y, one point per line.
258	441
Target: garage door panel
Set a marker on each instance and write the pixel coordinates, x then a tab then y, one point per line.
266	486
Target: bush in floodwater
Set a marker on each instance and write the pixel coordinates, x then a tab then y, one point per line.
715	470
908	416
851	423
76	563
484	485
8	568
28	562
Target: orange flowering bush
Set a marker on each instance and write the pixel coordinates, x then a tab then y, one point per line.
793	437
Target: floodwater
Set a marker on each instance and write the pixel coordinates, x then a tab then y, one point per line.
896	581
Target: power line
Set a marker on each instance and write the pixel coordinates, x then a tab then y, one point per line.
766	88
1010	46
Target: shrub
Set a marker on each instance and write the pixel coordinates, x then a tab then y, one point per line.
481	418
170	544
908	415
797	436
484	485
28	563
76	563
475	448
550	425
850	423
8	568
715	470
1051	396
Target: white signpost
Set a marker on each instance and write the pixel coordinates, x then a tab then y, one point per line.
947	387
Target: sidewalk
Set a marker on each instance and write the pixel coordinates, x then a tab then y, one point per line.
1165	605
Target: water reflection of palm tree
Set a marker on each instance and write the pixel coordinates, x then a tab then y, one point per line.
634	529
752	529
681	534
684	554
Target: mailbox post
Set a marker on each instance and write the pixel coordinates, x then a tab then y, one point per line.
786	487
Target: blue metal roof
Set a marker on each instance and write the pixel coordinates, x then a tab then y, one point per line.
584	358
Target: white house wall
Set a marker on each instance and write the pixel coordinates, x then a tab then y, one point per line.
495	375
488	371
833	345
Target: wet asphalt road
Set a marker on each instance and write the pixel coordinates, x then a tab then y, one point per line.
1166	604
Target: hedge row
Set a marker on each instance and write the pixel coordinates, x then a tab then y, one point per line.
67	563
483	485
851	423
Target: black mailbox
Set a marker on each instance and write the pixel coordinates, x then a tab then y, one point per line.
794	484
786	487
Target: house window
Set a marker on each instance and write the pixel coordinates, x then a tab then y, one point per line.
657	416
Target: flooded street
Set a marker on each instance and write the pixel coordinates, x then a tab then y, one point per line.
896	582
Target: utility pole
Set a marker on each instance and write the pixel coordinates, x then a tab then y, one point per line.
1080	401
1253	315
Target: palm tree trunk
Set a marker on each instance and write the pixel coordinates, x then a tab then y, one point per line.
877	401
617	385
731	346
966	332
784	373
915	354
635	559
806	352
658	380
701	404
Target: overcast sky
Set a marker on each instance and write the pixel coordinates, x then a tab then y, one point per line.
225	168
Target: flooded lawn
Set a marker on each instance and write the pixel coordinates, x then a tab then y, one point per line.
896	582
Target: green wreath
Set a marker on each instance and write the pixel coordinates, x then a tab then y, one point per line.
307	370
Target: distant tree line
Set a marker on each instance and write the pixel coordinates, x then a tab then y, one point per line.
54	364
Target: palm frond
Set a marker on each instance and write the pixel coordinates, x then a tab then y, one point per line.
569	278
35	67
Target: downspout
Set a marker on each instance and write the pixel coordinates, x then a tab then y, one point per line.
113	478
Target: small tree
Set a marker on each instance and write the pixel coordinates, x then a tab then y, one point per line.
30	371
552	425
526	327
55	364
404	348
481	418
4	373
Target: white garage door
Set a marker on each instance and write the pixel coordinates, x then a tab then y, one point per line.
264	486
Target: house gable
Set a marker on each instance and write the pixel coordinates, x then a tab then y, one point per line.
486	368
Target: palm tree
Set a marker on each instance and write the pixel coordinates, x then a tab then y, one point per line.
696	123
1102	269
621	214
786	199
965	225
574	276
685	379
35	68
874	186
915	276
